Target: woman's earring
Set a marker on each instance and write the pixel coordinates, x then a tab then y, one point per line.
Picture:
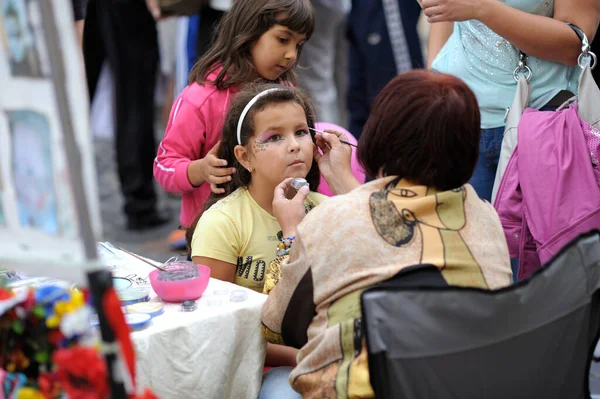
250	169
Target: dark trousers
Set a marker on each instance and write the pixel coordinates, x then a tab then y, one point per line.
124	33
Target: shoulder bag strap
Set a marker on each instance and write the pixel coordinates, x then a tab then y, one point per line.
588	92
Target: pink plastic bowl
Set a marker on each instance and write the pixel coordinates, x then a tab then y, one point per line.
183	290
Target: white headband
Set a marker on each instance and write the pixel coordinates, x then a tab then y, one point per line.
247	108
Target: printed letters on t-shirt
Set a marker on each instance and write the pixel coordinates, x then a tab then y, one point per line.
245	267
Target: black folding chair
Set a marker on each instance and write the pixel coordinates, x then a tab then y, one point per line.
532	340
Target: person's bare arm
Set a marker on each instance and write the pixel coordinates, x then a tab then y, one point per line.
280	355
542	37
79	31
154	9
218	269
546	38
439	33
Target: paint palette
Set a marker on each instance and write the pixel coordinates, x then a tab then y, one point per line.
151	308
121	283
132	295
135	321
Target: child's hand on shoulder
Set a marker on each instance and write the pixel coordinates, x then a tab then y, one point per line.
210	169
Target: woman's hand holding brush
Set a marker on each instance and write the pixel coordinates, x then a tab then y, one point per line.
333	153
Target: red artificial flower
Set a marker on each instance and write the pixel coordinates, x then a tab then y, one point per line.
147	394
87	294
55	337
49	385
82	373
5	294
17	361
29	303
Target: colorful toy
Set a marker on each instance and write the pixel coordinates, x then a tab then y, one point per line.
48	347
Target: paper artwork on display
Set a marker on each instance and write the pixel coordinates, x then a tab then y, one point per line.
23	37
1	195
49	211
32	163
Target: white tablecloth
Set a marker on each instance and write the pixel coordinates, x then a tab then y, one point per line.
213	352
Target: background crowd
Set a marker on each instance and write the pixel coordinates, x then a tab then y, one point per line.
224	146
137	63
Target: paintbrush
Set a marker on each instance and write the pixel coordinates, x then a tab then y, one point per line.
342	141
162	269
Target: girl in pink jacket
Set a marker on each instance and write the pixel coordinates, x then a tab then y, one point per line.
258	39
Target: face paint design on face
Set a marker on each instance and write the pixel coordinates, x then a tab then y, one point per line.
272	137
268	138
259	147
281	145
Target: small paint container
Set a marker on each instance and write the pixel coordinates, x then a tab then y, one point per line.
137	321
213	303
295	186
189	306
133	295
220	291
151	308
298	183
238	296
121	283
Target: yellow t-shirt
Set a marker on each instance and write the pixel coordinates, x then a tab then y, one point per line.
237	230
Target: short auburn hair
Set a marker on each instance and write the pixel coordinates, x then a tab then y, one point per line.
425	127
